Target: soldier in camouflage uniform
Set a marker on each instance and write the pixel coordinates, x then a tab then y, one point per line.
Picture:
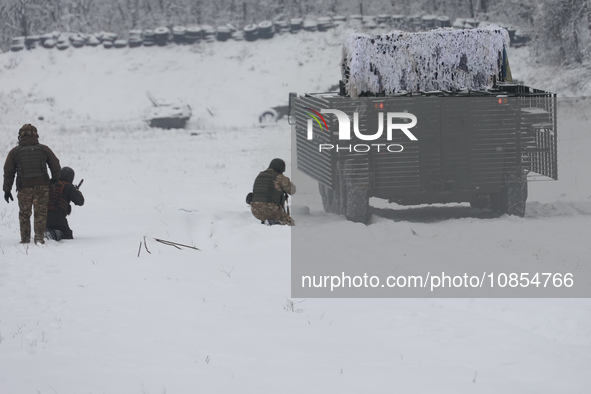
29	161
269	191
61	194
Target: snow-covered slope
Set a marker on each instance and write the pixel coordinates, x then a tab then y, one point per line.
115	311
226	83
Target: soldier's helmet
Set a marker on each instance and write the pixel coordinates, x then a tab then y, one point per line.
67	174
27	130
278	165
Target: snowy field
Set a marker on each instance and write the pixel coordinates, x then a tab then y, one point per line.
115	311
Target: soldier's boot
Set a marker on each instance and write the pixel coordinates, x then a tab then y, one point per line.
25	232
39	234
290	222
271	222
39	231
54	234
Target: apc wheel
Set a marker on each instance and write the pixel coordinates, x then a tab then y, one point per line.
481	202
511	200
498	203
516	195
327	196
357	205
332	200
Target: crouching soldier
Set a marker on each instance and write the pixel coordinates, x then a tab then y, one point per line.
61	194
268	195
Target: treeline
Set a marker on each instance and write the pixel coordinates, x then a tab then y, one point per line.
558	26
27	17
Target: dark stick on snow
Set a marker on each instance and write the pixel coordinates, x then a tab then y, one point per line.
146	246
139	250
174	243
168	243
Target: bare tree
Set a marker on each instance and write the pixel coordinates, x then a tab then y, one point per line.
562	30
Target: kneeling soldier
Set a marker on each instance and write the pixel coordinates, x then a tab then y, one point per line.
268	199
61	194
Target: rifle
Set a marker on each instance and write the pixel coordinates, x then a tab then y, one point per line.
80	184
285	202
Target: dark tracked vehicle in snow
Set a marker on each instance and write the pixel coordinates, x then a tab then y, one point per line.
478	145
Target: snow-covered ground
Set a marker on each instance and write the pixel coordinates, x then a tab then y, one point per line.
115	311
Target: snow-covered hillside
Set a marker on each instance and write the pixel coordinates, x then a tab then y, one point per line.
115	311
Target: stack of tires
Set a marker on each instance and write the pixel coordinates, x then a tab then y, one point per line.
48	40
282	26
194	34
223	33
149	38
459	23
355	21
429	22
397	22
471	23
63	42
251	32
93	40
339	20
444	21
295	25
324	23
17	44
120	43
310	25
107	39
78	40
209	33
414	23
135	38
31	41
266	30
369	22
179	34
161	36
238	35
383	20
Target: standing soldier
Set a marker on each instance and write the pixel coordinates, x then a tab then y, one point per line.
29	161
268	195
60	195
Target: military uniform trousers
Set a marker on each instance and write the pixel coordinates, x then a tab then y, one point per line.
33	199
270	211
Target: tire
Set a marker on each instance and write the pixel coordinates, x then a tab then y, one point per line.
251	32
357	205
332	201
161	35
480	202
516	195
326	196
270	116
354	200
498	203
510	200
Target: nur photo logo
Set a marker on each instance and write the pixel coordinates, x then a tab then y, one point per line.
395	121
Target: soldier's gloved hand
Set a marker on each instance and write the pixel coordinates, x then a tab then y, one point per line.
8	195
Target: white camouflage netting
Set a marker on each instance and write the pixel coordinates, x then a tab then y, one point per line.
442	59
